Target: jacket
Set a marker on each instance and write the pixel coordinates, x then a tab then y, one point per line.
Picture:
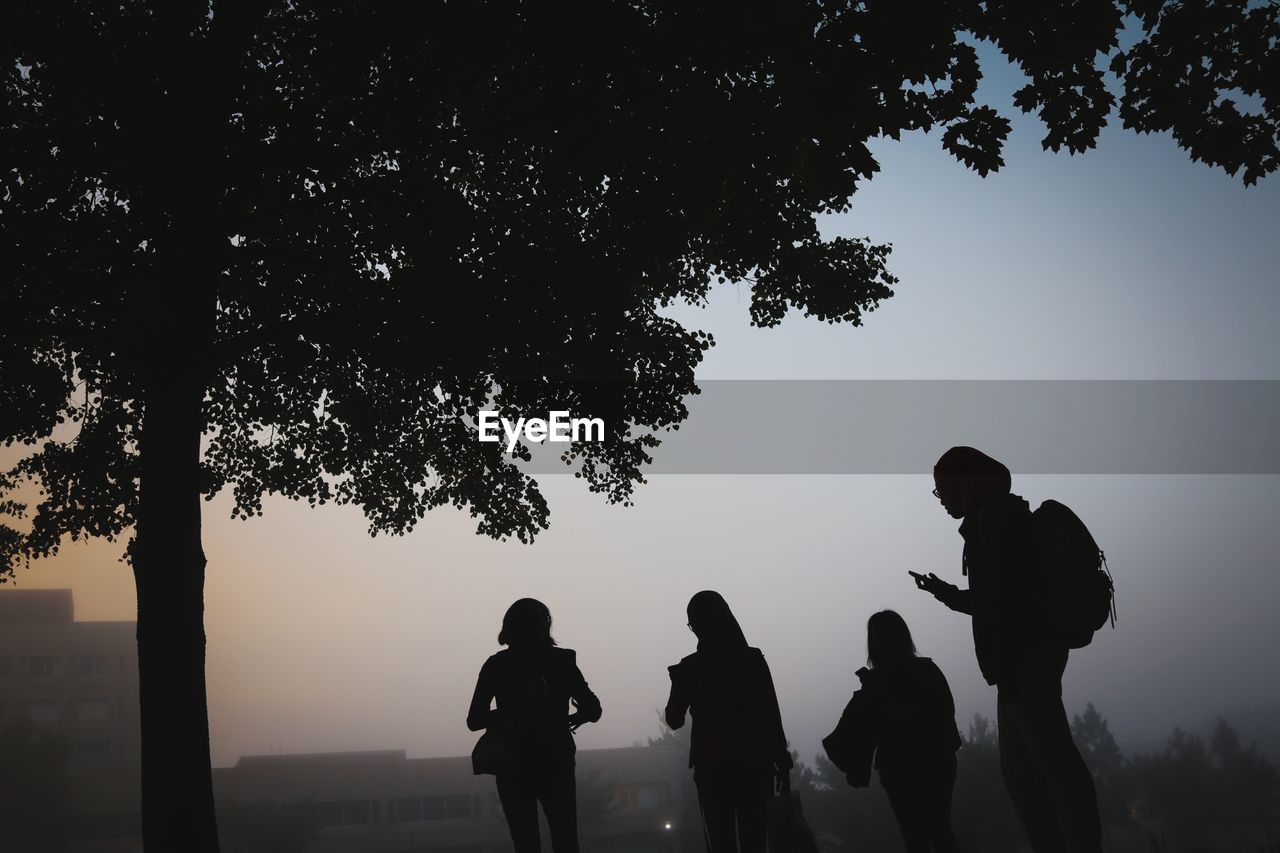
533	689
736	719
1006	596
904	716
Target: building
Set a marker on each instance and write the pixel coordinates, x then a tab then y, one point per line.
80	681
631	800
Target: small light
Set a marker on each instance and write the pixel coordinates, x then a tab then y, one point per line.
667	825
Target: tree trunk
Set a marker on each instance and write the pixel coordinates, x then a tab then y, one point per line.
169	565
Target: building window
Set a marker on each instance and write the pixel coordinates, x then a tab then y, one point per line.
42	666
92	709
344	813
95	664
449	807
647	796
91	752
42	711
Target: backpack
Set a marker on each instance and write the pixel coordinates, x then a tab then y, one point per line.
1080	592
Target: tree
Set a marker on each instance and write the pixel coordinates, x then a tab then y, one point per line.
1179	786
845	818
1208	795
292	249
1250	783
982	813
1102	754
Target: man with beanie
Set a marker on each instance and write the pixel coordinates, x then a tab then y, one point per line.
1051	788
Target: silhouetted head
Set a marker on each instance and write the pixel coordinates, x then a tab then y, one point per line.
527	623
712	622
888	640
966	478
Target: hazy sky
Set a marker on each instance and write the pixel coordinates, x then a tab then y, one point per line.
1127	262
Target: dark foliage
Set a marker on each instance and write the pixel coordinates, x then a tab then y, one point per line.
1206	795
1188	796
403	212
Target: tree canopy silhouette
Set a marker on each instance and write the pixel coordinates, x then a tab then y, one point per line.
292	249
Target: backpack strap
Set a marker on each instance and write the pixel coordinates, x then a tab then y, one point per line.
1103	557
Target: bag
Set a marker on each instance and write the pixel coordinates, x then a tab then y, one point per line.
789	832
1079	590
853	743
490	754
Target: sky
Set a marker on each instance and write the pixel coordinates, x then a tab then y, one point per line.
1128	262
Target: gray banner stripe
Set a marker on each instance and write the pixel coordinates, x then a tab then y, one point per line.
1033	426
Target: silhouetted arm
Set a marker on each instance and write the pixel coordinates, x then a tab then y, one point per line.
481	716
959	600
949	594
586	702
679	700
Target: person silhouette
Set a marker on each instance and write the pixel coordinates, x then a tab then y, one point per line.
737	745
533	681
904	713
1050	786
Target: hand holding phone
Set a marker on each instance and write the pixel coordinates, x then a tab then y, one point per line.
931	584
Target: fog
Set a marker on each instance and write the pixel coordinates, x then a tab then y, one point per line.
320	639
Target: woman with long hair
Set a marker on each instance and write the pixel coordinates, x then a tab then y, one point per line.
532	682
737	746
905	713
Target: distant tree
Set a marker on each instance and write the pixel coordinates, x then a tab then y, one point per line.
35	788
293	248
1179	788
1096	743
667	736
845	818
1106	762
983	817
1206	797
1250	784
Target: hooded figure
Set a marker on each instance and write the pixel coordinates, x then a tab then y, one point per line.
1006	593
1051	788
